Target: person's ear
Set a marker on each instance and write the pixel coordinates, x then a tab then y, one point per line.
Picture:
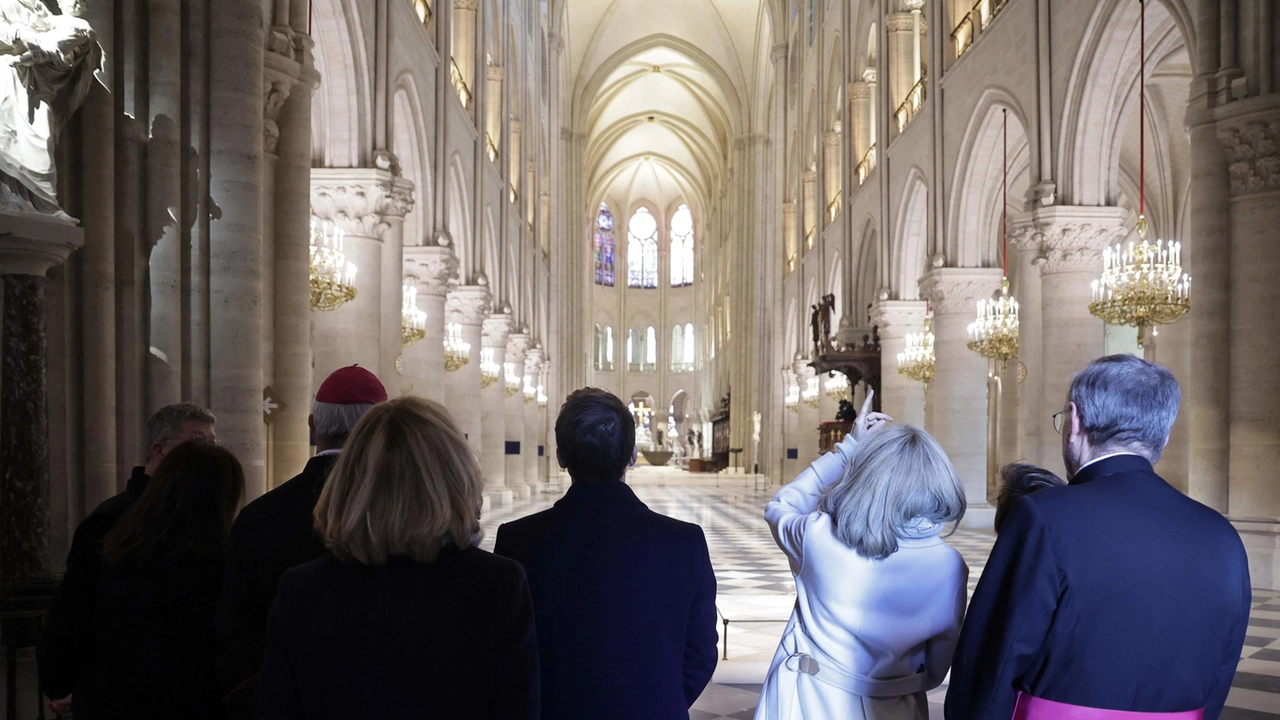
635	455
158	451
311	423
560	460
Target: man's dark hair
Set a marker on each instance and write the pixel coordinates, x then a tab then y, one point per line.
596	436
1018	479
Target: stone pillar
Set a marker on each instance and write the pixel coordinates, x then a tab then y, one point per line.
464	41
163	201
809	180
235	243
1251	142
532	430
789	232
863	123
515	446
291	327
901	28
831	166
901	398
514	166
358	200
467	305
29	246
433	268
1072	239
493	459
398	204
493	111
1033	422
956	413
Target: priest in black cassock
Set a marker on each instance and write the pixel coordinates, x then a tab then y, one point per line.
1114	593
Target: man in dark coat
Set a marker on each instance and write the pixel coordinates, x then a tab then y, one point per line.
277	532
1116	592
624	598
61	654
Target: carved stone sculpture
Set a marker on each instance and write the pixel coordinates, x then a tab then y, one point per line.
47	65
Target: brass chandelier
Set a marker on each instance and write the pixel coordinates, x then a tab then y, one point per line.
490	370
413	321
812	396
994	334
530	390
457	352
510	379
837	386
1142	285
916	361
333	279
792	400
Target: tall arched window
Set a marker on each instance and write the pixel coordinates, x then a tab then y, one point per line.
608	347
682	247
642	250
631	349
604	246
650	348
598	348
688	345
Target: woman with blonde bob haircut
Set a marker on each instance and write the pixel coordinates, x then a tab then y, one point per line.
880	596
407	616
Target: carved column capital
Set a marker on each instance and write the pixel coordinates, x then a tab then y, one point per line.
517	346
896	318
359	200
493	73
831	139
899	22
809	176
1253	155
555	41
1070	238
434	267
533	361
515	127
467	304
789	207
778	53
958	290
469	5
495	331
859	90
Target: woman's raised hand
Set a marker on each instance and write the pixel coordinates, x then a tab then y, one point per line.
868	423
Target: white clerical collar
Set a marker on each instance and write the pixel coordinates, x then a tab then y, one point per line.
331	451
1104	457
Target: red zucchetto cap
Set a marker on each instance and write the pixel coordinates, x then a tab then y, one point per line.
351	386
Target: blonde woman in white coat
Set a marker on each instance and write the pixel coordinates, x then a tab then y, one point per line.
880	596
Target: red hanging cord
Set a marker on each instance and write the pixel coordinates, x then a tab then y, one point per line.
1142	108
1004	208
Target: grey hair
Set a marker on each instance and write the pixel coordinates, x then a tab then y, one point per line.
165	424
335	421
1126	403
897	475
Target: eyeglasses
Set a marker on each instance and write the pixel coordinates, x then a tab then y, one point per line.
1058	418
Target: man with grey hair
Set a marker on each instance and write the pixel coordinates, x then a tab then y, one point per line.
63	651
1115	592
277	532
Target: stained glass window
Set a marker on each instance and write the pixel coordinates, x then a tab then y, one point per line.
604	246
642	250
682	247
650	347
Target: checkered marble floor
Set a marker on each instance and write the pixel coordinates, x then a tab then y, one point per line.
752	573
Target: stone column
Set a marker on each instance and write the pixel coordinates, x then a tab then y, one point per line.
514	166
863	123
358	200
956	413
29	246
1072	239
515	446
464	40
1251	141
900	57
235	242
532	435
901	398
399	203
467	305
1033	422
493	110
433	268
831	166
493	459
809	180
789	232
291	327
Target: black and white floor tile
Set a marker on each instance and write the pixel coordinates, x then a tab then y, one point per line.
754	585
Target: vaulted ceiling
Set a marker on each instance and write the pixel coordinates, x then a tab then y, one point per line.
661	87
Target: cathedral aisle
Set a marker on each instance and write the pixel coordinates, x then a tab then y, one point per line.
750	570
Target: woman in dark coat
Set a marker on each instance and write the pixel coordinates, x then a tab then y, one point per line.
406	619
162	572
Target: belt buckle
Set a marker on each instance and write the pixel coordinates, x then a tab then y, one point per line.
806	664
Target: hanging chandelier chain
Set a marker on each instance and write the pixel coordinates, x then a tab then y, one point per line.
1142	108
